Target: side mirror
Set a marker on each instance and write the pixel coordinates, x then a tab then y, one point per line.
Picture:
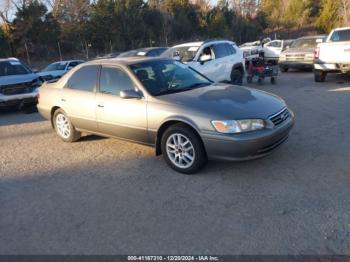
70	67
35	70
320	40
130	94
204	58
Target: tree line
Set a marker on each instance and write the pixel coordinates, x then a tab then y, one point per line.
53	28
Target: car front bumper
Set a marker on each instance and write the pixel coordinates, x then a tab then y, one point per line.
246	146
20	99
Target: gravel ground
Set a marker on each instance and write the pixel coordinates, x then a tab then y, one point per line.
104	196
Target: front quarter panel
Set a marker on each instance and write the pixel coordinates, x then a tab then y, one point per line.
160	113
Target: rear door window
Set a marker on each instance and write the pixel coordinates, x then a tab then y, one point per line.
84	79
113	80
220	50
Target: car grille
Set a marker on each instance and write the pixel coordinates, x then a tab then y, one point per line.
17	89
280	117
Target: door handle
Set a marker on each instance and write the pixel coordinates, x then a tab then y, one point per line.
63	100
101	106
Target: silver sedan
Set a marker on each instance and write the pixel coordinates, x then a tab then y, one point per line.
166	104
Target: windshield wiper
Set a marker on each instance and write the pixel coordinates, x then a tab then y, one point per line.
197	85
187	88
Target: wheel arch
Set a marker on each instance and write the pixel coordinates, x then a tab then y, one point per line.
238	66
170	122
53	110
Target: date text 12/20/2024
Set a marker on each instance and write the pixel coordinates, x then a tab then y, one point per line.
173	258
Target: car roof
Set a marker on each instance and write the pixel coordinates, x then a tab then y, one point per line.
125	60
312	37
9	59
150	48
200	43
341	28
67	61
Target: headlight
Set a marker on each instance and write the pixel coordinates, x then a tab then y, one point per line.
238	126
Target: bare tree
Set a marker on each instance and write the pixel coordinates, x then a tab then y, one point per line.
344	12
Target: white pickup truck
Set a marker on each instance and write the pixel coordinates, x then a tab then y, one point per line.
333	55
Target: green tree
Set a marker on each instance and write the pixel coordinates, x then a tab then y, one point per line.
4	44
34	28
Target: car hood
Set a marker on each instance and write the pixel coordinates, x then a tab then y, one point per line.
17	79
52	73
298	51
221	101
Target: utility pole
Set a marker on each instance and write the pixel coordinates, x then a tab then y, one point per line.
59	50
26	47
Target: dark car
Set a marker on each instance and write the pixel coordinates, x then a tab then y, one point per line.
147	51
18	83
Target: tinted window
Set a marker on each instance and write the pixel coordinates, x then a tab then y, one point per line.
84	79
220	50
230	49
73	64
156	52
113	80
56	66
341	35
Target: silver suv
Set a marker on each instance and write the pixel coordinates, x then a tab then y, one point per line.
18	83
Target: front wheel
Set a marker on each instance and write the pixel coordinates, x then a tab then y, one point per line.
183	150
64	128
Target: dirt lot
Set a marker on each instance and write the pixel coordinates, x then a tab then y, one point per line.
104	196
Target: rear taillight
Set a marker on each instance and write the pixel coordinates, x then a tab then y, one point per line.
317	53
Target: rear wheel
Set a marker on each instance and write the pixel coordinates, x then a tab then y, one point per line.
236	76
64	128
183	150
320	76
273	80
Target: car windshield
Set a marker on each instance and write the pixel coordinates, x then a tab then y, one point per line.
304	43
13	68
168	76
184	53
56	66
128	53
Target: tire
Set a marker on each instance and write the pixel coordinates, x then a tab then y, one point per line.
236	77
273	80
249	79
284	69
179	158
64	127
320	76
